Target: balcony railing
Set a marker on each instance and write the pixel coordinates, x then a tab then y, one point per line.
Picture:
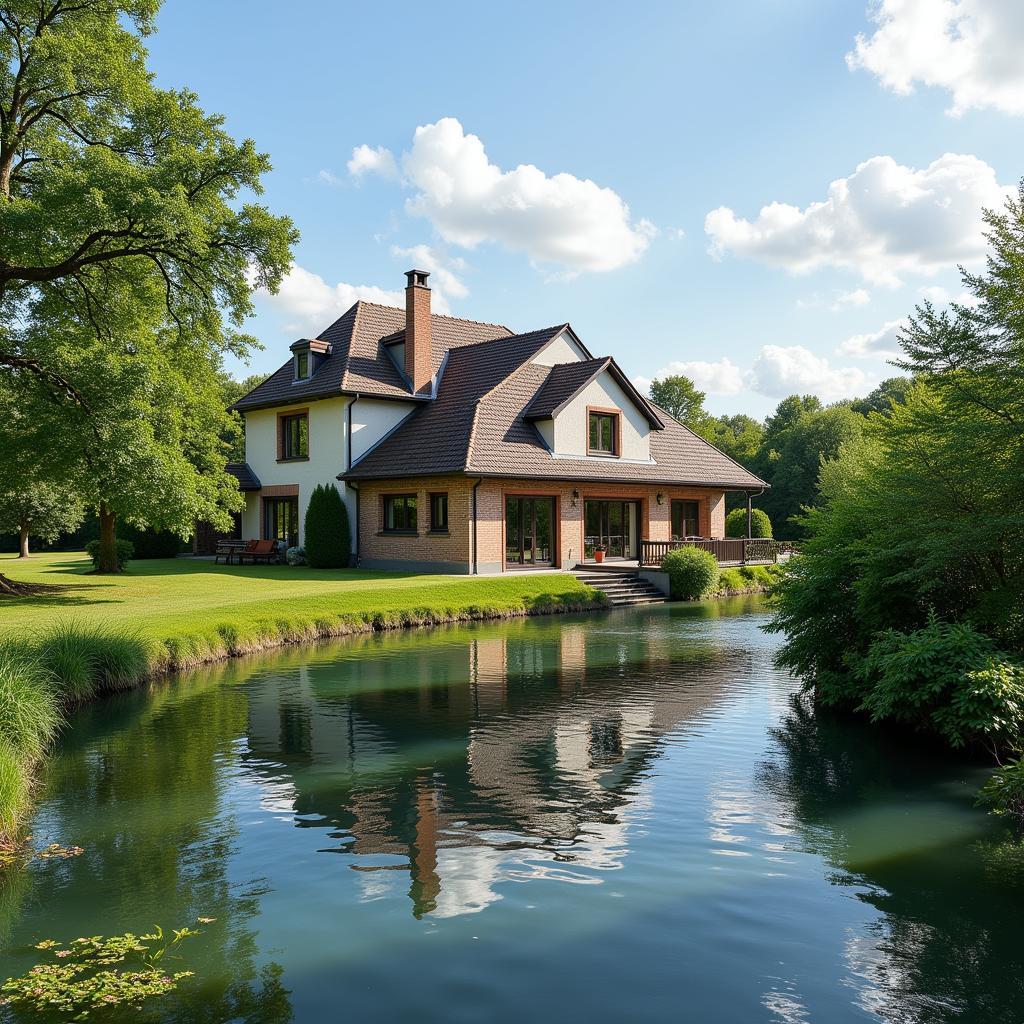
728	551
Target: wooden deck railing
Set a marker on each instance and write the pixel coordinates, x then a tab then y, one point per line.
730	550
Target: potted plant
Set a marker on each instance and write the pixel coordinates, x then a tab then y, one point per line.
599	550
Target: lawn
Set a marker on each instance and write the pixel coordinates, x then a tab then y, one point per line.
165	599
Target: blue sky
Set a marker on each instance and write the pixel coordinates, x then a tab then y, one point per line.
640	122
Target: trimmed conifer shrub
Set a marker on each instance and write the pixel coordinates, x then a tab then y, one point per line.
328	537
736	523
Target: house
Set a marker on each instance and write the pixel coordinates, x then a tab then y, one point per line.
462	447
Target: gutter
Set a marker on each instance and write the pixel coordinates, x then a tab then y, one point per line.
476	569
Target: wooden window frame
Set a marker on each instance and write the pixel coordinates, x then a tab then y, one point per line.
616	415
433	526
391	496
282	418
308	356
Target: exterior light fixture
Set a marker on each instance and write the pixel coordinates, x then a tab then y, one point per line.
660	498
575	497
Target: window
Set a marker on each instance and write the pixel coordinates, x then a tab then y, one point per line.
294	439
400	513
439	512
281	520
301	365
685	519
603	436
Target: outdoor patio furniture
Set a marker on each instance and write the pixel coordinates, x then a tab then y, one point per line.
228	550
259	551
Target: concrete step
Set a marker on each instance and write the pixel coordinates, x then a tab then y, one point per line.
622	588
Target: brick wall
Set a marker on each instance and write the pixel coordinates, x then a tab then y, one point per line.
453	552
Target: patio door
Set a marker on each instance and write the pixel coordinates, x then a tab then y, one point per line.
611	524
529	530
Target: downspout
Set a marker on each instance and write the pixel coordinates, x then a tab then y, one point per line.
476	567
348	483
750	518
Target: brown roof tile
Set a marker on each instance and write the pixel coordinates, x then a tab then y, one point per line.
358	362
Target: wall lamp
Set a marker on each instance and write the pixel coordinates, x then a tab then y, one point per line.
660	498
575	498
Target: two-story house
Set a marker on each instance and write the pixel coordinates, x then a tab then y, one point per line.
461	447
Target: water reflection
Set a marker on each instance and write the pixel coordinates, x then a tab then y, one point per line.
423	825
896	822
498	759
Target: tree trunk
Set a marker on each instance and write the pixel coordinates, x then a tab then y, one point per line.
23	540
107	560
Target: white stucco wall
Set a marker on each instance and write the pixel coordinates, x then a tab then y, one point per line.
328	449
561	349
328	446
571	424
372	419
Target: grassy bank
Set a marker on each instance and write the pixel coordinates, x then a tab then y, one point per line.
97	634
746	579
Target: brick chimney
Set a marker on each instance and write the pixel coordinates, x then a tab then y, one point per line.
419	347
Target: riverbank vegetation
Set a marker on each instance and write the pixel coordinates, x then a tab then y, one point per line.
694	574
89	635
907	602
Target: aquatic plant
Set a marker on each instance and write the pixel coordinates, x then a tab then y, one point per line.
96	973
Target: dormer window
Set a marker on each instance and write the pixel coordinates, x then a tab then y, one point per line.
603	432
307	356
301	365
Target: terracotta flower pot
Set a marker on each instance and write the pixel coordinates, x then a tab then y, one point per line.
598	555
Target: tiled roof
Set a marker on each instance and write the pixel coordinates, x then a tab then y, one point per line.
247	479
564	381
358	362
477	426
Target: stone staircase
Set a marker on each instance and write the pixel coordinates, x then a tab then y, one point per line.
622	586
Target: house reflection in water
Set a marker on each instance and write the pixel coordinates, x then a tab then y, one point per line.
500	757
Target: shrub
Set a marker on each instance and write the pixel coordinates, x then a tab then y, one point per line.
1004	792
736	523
947	678
295	556
692	573
125	552
328	539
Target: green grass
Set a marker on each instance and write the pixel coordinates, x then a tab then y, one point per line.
103	633
747	578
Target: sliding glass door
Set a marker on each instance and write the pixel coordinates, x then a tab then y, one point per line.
612	525
529	530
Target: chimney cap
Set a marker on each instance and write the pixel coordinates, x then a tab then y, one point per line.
417	278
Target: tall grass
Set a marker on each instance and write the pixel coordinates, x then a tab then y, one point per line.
86	661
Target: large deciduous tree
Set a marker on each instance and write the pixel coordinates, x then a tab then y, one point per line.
128	254
679	397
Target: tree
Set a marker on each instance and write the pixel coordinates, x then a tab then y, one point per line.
908	598
678	396
791	455
232	390
892	391
328	538
156	268
37	508
739	436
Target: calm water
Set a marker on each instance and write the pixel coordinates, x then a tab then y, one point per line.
615	818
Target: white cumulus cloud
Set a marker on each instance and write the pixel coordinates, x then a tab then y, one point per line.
443	278
880	344
971	48
366	160
723	377
780	370
554	219
883	221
